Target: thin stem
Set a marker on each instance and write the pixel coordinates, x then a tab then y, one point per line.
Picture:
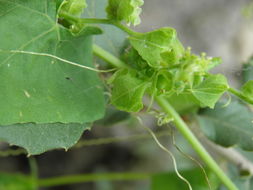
240	95
34	170
33	167
126	29
106	56
73	19
67	180
197	146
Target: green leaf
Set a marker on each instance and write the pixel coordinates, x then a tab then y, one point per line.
247	89
113	116
184	103
210	90
128	91
127	10
213	62
38	138
170	181
228	126
58	4
242	182
135	61
42	89
160	48
73	7
16	182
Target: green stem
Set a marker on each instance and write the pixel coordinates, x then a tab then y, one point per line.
67	180
34	169
126	29
73	19
187	133
106	56
240	95
197	146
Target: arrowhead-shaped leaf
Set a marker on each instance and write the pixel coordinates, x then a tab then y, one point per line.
229	126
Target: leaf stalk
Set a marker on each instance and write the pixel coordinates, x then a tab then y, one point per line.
99	21
73	179
240	95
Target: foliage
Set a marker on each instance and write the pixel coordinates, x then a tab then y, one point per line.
16	182
228	126
127	10
39	138
52	91
43	89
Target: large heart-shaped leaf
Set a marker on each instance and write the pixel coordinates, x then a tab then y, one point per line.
51	98
38	88
228	126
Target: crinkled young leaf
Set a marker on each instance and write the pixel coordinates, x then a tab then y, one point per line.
247	89
127	10
128	91
228	126
210	90
39	138
73	7
41	89
160	48
16	182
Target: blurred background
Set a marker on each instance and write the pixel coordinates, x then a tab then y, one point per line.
218	27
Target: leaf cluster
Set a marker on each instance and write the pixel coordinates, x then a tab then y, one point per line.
168	69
